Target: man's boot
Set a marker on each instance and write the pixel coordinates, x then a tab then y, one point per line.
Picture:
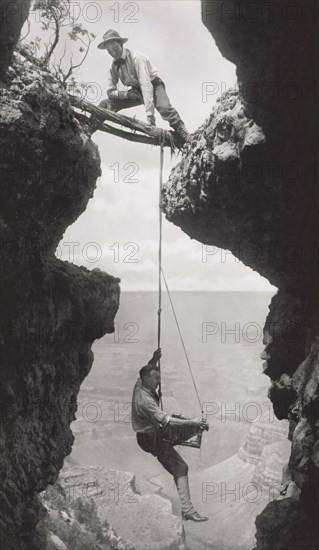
181	133
188	510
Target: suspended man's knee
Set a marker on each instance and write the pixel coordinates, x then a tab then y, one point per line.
172	461
181	470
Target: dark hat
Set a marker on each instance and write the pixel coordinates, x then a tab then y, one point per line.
109	36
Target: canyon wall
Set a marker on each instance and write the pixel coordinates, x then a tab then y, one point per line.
51	311
12	17
130	520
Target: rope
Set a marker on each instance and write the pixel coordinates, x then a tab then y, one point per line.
183	344
160	273
159	312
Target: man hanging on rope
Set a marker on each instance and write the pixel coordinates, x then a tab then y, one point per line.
134	69
157	432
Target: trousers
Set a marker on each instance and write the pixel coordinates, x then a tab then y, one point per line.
135	98
156	444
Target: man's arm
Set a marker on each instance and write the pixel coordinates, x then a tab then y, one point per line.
173	421
146	87
112	81
149	409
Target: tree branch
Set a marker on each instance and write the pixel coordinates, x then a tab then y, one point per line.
28	32
72	67
24	52
55	41
157	135
130	136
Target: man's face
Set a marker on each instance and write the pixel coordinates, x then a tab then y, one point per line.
114	48
153	379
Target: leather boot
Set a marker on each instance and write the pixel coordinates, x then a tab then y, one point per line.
181	133
184	495
195	516
188	510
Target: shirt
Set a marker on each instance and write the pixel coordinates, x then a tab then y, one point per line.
146	413
137	71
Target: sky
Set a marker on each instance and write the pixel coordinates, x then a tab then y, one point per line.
118	232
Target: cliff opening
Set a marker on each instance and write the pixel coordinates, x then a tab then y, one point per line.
245	183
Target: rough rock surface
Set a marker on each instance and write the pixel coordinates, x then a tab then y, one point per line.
141	521
247	182
262	434
12	18
75	515
285	525
51	311
304	461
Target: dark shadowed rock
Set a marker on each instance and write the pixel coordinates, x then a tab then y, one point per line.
51	311
13	15
284	525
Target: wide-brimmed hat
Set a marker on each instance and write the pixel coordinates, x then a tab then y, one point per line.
109	36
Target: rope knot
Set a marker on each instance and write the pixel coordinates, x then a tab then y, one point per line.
162	136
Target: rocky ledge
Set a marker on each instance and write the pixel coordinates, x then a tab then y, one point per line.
51	311
126	519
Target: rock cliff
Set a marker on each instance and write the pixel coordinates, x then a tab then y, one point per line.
51	311
262	435
247	182
130	520
12	17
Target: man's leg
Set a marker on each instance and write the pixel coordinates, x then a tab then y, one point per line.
177	467
167	112
147	442
182	487
132	98
172	462
178	434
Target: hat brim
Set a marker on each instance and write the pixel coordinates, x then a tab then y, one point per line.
102	45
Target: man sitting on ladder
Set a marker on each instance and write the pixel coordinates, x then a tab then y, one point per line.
135	69
157	432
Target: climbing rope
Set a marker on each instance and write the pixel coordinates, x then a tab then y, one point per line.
160	274
159	312
183	344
